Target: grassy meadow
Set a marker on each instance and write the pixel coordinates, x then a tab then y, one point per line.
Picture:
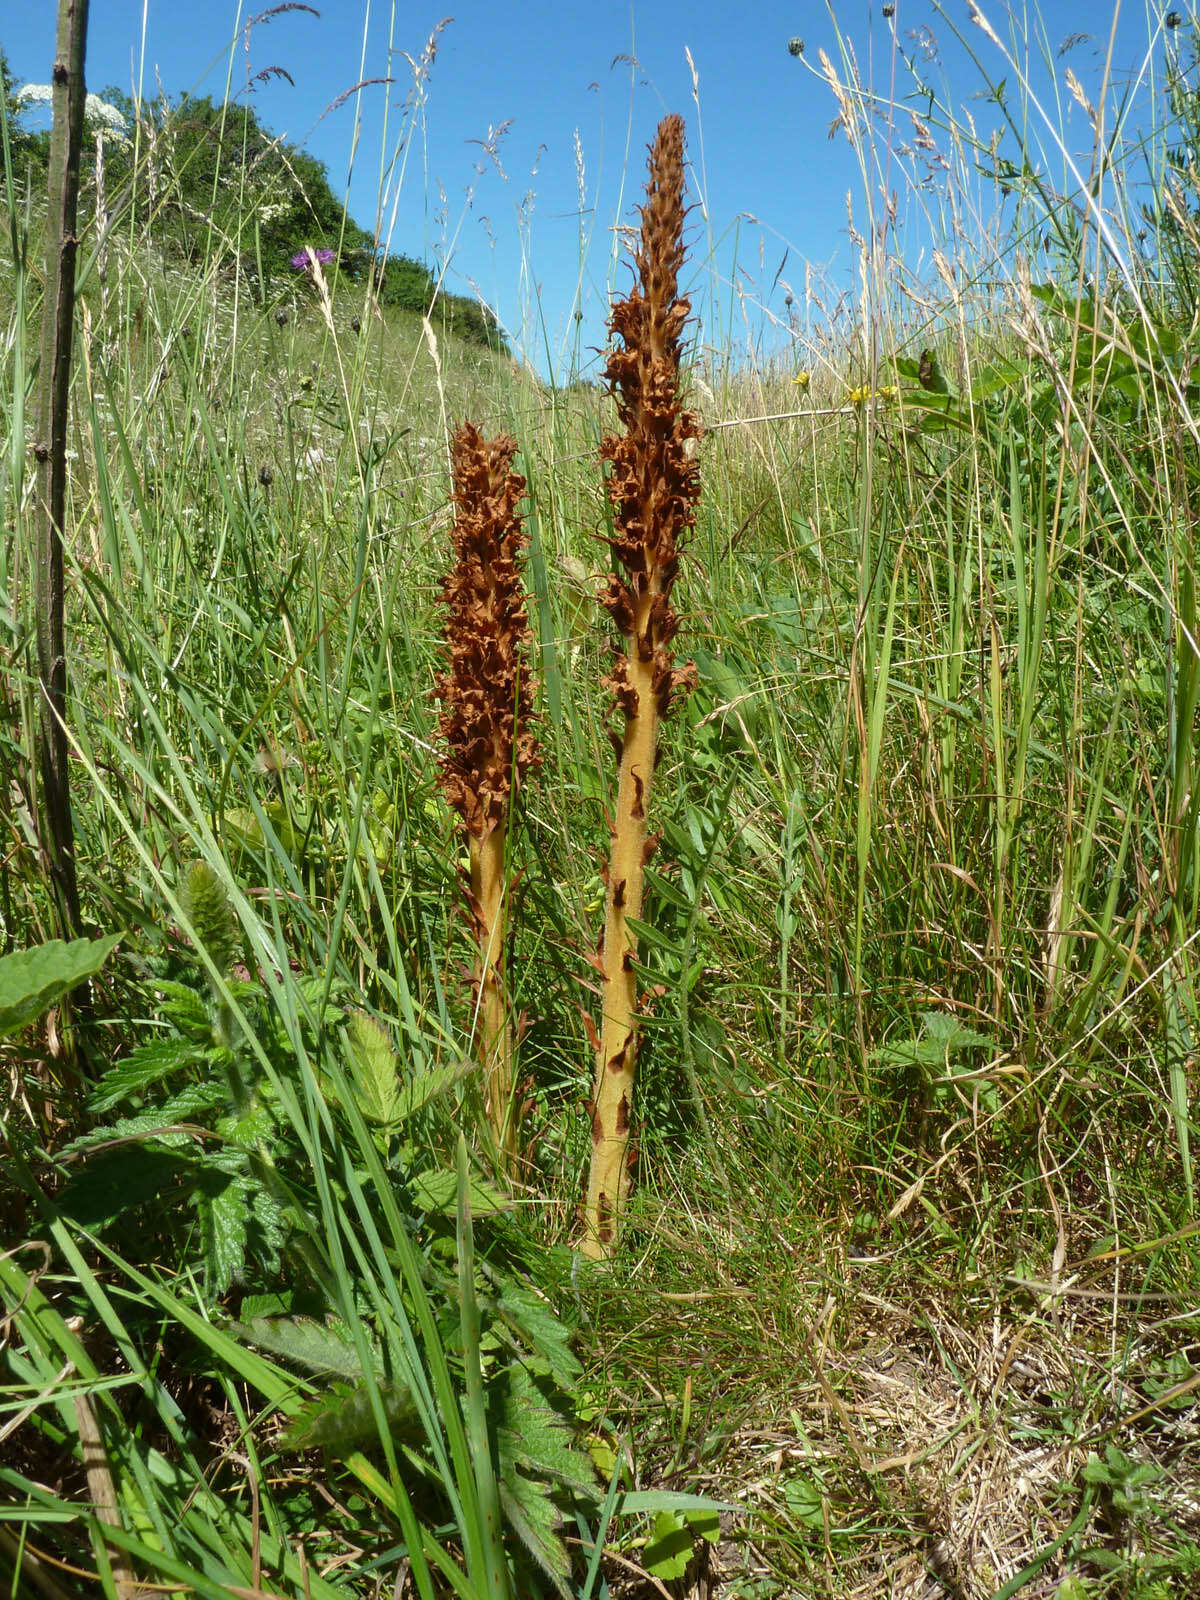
906	1299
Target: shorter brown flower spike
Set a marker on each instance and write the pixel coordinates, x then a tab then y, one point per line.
488	698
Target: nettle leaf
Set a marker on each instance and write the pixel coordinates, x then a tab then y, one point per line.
32	980
375	1069
306	1301
312	991
531	1317
536	1455
343	1421
116	1180
941	1036
222	1210
322	1347
249	1131
543	1465
391	1105
533	1434
537	1522
149	1064
950	1034
154	1122
185	1007
268	1231
438	1191
427	1086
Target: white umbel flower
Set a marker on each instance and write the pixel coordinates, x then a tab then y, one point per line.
100	113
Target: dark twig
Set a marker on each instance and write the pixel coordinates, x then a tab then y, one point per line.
50	450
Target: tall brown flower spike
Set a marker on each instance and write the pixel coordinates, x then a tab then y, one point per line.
653	486
488	701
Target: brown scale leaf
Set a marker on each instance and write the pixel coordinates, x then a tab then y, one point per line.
487	691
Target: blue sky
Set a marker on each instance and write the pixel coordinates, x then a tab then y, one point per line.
559	77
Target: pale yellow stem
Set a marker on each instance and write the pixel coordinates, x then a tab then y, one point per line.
612	1105
495	1030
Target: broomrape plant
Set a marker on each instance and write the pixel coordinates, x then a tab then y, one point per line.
653	487
489	749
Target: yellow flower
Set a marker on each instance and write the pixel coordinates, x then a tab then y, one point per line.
802	378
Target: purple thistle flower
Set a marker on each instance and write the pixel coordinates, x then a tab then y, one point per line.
303	263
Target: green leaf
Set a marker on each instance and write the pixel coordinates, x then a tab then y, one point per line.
646	1501
178	1108
537	1522
282	1303
534	1435
242	830
804	1500
707	1524
185	1007
530	1316
138	1071
375	1071
427	1086
116	1180
250	1131
223	1227
654	938
343	1421
438	1191
268	1228
942	1035
487	1531
319	1347
671	1547
950	1033
1072	1589
32	980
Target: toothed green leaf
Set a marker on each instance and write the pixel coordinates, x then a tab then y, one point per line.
375	1070
322	1347
32	980
343	1421
147	1065
222	1211
438	1191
